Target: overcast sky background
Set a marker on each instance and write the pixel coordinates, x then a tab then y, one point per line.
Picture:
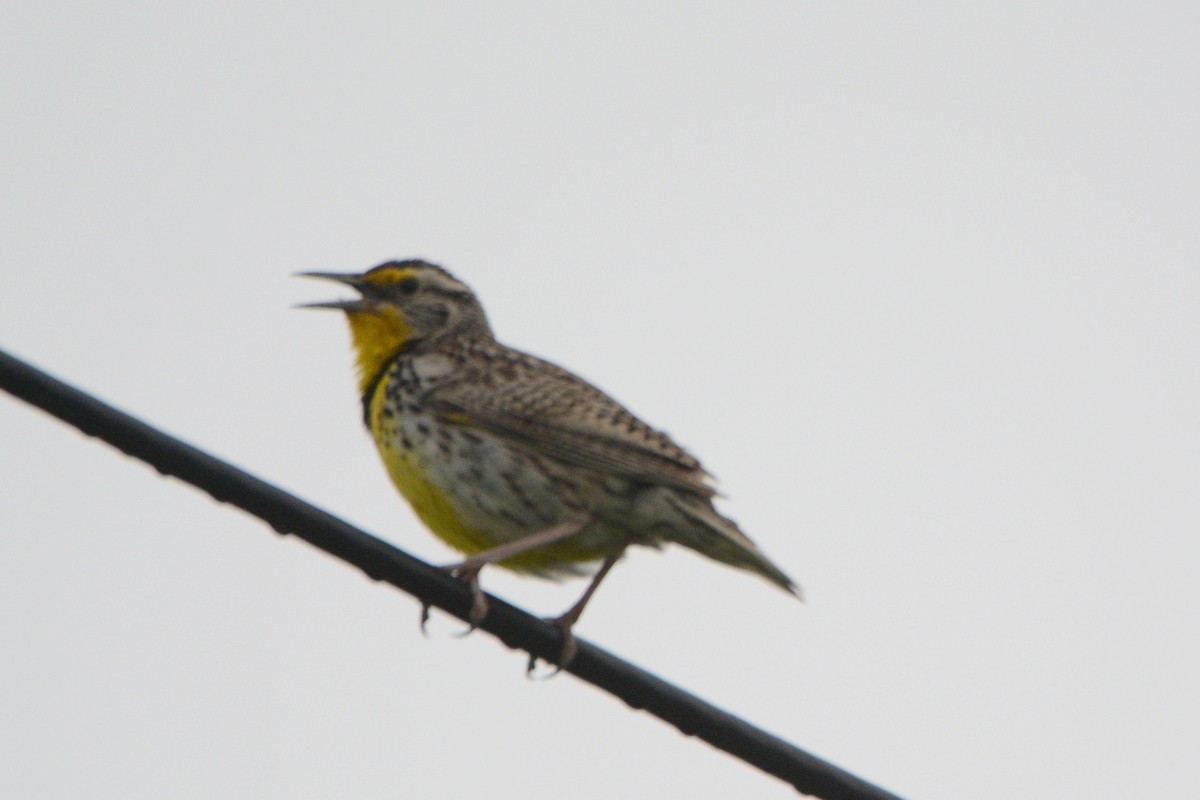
918	282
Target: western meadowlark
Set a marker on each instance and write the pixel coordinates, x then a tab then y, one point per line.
510	459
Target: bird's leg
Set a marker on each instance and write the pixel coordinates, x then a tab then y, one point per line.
468	570
567	620
517	546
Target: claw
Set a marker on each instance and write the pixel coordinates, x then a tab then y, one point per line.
479	602
425	619
532	665
570	648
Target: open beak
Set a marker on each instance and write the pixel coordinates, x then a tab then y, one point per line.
349	279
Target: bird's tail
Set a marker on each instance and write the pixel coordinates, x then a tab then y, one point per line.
720	539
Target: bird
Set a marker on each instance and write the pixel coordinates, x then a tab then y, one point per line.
514	461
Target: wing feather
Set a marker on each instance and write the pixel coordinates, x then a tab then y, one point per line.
553	412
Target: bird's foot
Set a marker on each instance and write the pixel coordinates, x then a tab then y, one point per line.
468	573
566	654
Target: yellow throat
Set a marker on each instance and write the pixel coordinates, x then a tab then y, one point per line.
378	336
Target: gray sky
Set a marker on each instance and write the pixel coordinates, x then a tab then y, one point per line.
918	283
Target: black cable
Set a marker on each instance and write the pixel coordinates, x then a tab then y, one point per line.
383	562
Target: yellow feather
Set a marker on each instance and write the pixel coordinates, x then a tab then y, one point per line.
378	336
436	509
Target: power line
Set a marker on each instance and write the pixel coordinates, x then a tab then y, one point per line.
383	562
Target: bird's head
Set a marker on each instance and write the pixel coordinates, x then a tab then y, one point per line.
403	304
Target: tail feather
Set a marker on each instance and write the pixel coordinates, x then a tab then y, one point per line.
720	539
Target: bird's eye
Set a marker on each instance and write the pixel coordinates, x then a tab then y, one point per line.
408	286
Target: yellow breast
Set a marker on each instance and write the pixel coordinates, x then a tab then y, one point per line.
441	512
433	505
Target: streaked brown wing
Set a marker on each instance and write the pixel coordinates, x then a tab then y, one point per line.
555	413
